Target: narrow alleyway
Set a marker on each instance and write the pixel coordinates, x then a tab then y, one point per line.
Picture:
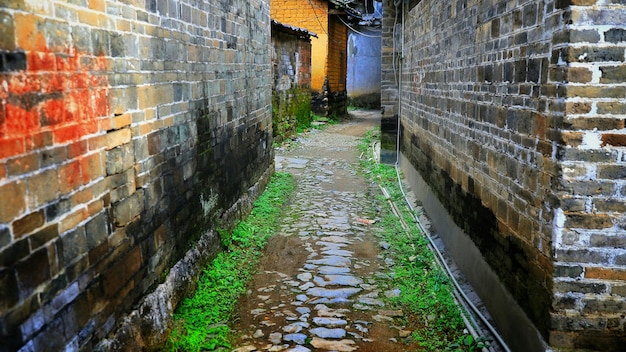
322	281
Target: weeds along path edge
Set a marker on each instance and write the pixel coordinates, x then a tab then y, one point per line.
201	320
426	294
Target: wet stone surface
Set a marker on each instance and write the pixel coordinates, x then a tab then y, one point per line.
322	283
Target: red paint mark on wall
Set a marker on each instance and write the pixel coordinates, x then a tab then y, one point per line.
63	94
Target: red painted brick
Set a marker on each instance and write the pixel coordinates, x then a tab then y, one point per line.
11	147
41	61
70	177
20	121
92	167
76	149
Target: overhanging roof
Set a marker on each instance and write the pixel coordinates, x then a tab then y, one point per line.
293	30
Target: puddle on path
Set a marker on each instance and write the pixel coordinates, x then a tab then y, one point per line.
322	282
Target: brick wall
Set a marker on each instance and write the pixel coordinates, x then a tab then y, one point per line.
589	236
313	16
328	50
127	130
512	113
337	67
291	89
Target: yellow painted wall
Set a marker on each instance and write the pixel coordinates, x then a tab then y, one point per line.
312	15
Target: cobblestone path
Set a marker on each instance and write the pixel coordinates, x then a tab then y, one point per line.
322	283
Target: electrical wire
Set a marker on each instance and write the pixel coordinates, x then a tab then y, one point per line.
376	10
356	31
318	19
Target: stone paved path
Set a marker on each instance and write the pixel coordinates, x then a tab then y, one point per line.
321	284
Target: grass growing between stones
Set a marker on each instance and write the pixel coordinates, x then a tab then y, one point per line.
426	294
201	319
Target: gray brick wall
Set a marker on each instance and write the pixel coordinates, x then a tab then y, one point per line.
128	131
512	113
291	86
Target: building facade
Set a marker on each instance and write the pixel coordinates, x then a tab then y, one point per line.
328	50
363	80
512	130
291	88
128	132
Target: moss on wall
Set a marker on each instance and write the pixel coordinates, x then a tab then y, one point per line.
291	111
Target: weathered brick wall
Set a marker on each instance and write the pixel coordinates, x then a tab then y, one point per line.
337	67
590	233
291	89
127	130
328	87
512	113
313	16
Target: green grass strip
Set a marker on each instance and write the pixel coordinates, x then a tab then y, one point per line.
426	293
201	320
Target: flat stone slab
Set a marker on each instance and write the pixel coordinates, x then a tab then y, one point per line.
332	261
295	327
329	322
302	298
393	293
305	277
245	349
300	339
332	270
331	245
336	239
306	286
297	161
324	311
327	333
275	338
303	310
341	346
338	280
391	312
257	311
333	293
343	280
338	252
371	301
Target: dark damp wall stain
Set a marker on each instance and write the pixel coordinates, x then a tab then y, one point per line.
229	157
507	255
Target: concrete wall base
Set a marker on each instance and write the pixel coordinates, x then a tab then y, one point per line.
511	321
